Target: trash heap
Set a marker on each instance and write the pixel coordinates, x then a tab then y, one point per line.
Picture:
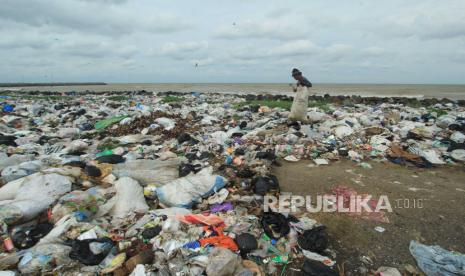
173	184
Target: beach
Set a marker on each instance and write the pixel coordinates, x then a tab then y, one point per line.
456	92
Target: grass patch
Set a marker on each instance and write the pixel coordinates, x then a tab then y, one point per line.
415	103
47	98
271	104
118	98
172	99
323	105
438	111
236	117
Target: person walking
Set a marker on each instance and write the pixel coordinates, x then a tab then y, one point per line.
300	103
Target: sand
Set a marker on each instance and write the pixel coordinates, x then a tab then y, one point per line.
439	222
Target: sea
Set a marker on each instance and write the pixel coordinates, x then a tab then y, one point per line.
456	92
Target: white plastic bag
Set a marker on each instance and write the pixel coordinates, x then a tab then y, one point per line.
299	105
9	190
129	198
42	257
343	131
457	137
167	123
33	196
44	187
149	171
185	191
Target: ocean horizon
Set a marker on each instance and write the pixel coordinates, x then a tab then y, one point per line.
451	91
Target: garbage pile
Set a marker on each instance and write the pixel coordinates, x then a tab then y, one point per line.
93	184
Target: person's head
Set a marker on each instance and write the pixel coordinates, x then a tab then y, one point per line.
296	74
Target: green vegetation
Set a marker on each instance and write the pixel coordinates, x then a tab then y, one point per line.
172	99
118	98
438	111
415	103
271	104
236	117
323	105
47	98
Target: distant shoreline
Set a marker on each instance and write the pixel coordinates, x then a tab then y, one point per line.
456	92
20	84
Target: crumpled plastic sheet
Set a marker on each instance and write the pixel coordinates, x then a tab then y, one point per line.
436	261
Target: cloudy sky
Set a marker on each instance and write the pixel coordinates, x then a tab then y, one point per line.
353	41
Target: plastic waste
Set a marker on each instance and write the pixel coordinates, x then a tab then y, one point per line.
436	261
134	263
458	155
219	197
108	122
82	204
316	268
7	108
315	239
246	243
221	207
343	131
275	225
149	171
168	124
43	257
111	159
299	105
223	262
36	193
388	271
320	161
457	137
129	198
138	271
91	251
262	185
185	191
151	232
445	121
26	237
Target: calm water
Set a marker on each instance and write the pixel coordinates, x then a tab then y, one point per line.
381	90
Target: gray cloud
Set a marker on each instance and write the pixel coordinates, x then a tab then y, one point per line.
106	1
82	16
172	48
232	41
426	24
374	51
272	29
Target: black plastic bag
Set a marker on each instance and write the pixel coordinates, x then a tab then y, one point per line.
8	140
92	171
82	252
245	173
266	155
151	232
183	137
275	225
111	159
316	268
246	243
264	184
315	239
26	238
185	169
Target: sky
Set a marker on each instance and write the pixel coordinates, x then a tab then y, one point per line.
237	41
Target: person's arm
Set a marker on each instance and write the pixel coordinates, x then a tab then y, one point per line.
294	88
